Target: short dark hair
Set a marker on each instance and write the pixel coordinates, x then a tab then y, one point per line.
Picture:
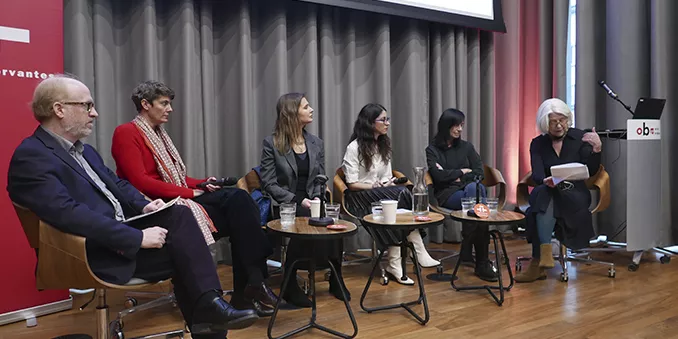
149	91
450	117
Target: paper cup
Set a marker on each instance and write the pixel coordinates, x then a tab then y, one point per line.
389	209
315	208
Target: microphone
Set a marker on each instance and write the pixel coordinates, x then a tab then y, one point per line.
607	89
321	180
472	212
400	181
614	95
227	181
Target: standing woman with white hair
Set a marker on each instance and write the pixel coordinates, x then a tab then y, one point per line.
565	203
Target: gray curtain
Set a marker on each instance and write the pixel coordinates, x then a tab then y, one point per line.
633	46
530	67
229	61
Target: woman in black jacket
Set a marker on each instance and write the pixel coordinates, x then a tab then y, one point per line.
565	203
454	166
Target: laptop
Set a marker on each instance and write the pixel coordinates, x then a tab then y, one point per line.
649	108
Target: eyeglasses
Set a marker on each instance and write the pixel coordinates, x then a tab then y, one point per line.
88	105
383	120
561	122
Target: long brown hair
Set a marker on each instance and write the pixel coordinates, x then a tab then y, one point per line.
287	126
363	131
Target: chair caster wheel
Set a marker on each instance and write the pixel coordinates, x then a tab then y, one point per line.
384	281
611	273
564	277
327	276
665	259
439	269
115	330
519	266
131	302
633	267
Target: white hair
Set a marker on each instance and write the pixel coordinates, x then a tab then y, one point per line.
553	105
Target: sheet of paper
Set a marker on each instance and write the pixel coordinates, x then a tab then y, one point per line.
165	206
573	171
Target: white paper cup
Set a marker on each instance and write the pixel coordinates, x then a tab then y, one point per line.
315	208
389	209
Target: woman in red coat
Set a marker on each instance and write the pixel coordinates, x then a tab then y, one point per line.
146	156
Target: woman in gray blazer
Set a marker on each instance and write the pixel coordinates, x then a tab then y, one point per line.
290	160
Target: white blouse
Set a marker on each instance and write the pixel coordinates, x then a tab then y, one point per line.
355	170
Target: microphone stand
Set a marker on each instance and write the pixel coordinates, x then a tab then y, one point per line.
322	220
472	212
627	107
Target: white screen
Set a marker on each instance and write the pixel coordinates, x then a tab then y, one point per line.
475	8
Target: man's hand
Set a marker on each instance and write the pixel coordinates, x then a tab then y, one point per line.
549	182
153	206
197	193
153	237
466	170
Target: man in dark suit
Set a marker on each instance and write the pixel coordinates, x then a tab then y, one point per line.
66	184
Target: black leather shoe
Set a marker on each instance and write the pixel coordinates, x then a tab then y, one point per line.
486	271
259	298
213	314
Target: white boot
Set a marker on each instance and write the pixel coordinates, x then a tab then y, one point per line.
395	267
425	259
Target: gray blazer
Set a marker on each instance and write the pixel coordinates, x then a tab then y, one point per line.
279	171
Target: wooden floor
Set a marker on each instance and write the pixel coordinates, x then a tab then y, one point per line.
642	304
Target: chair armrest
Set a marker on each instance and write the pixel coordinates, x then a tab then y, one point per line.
328	194
601	182
339	188
493	177
398	174
523	192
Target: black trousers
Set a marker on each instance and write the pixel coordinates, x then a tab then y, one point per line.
184	258
477	236
323	249
236	215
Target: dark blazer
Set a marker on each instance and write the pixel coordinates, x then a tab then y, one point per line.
570	207
279	171
44	178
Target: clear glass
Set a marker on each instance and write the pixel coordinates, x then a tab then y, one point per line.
377	210
492	204
467	203
287	213
419	192
332	211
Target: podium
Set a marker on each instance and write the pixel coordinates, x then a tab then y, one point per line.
643	198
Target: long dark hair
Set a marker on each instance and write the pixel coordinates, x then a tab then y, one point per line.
287	130
363	131
450	117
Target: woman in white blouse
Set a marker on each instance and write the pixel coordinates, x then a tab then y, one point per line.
367	166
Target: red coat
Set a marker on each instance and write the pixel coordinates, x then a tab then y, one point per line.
135	164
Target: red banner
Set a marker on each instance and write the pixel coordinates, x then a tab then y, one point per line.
31	49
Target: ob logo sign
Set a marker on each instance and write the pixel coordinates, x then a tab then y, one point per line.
643	129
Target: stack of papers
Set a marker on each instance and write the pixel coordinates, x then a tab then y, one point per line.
571	172
165	206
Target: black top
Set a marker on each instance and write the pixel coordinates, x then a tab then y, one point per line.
302	176
452	159
543	156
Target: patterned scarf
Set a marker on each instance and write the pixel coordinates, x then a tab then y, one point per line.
172	170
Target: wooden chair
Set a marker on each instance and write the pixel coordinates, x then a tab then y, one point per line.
599	182
340	188
492	178
62	264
